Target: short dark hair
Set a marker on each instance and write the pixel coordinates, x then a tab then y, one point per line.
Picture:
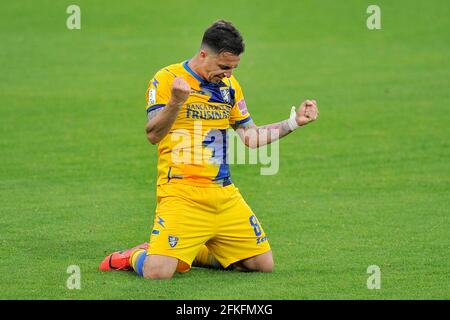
222	36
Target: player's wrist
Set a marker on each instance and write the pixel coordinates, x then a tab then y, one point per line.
174	104
292	120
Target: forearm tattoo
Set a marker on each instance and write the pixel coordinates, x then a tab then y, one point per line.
282	127
255	136
153	113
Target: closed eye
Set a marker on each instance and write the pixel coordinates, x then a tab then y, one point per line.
224	67
221	66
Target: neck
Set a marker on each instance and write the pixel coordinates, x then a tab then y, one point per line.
194	64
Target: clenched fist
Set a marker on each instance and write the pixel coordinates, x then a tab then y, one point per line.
180	92
307	112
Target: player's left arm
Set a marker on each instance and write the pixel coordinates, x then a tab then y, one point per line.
254	136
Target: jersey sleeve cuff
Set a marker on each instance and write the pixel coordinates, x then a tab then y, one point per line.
154	107
243	120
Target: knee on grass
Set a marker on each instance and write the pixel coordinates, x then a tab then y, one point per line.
261	263
159	267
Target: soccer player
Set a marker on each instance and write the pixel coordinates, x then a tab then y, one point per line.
201	218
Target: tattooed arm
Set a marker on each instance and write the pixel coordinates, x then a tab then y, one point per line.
255	136
161	120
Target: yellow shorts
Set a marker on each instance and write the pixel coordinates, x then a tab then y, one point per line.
188	217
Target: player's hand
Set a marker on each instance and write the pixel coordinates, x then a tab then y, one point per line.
307	112
180	92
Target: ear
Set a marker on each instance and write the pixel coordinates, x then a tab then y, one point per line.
203	53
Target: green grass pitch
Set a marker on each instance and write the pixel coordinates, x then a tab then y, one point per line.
367	184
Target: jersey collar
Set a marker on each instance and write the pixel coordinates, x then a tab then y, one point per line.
202	81
196	76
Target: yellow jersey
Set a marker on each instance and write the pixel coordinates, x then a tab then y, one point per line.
195	151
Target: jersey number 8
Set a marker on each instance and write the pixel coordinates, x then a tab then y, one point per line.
255	224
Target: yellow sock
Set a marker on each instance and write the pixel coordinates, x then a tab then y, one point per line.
205	259
137	258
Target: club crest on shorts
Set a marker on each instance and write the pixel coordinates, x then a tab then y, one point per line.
225	92
173	241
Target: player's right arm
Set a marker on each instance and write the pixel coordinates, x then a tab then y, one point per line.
254	136
161	120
